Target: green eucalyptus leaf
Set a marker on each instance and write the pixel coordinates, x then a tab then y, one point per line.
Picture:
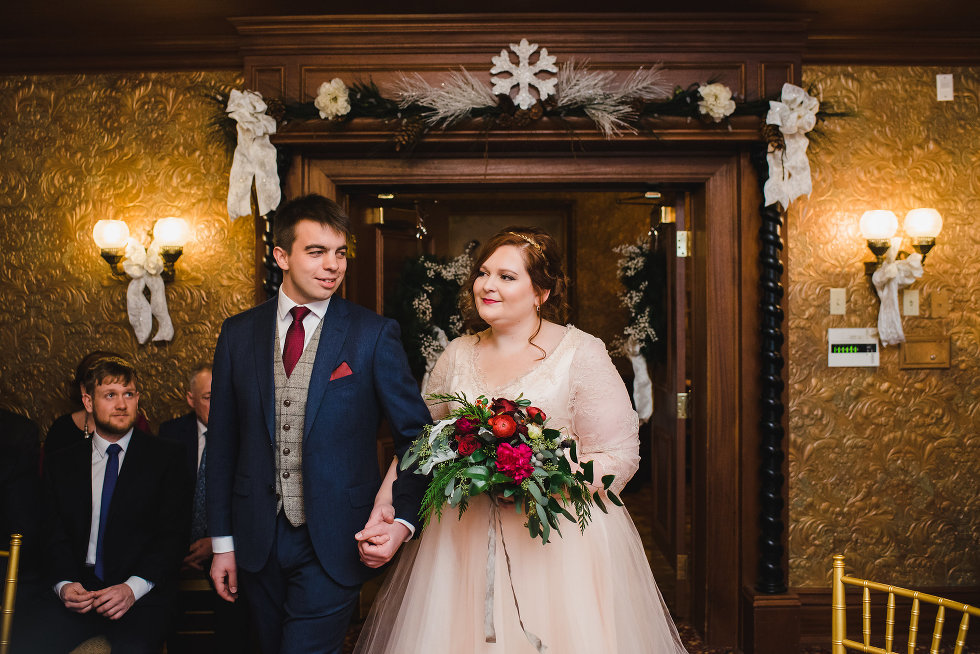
598	501
477	472
614	498
587	471
607	481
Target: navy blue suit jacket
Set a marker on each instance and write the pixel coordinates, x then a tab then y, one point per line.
340	463
184	431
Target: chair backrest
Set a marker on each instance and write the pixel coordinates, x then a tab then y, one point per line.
9	592
841	643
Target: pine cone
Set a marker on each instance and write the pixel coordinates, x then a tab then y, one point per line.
409	132
276	109
536	111
521	118
773	137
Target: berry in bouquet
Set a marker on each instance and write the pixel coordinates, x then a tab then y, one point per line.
505	449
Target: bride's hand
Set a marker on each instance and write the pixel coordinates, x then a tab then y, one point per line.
379	514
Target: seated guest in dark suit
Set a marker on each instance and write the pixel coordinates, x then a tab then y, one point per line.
19	487
78	425
115	527
20	514
190	430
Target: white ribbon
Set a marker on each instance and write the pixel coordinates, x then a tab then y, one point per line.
433	356
789	169
642	385
255	156
145	266
889	277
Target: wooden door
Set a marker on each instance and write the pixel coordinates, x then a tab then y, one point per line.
669	458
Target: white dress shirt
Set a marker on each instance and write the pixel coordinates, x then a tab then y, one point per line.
100	458
202	429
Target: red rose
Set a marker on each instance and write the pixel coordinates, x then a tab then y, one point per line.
503	426
501	405
468	445
536	415
515	462
466	425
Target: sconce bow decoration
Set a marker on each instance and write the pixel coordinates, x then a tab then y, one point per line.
894	268
148	269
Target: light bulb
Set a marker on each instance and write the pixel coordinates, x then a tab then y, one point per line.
878	224
923	223
110	234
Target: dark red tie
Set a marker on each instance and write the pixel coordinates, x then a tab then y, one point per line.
295	336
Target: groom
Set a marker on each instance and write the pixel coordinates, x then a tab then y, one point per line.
300	385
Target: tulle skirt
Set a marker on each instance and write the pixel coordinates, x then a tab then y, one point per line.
583	593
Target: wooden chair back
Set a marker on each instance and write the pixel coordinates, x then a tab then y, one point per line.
9	591
841	644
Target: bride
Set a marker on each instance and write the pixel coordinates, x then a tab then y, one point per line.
582	592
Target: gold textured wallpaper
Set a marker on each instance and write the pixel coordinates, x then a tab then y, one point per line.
884	463
136	147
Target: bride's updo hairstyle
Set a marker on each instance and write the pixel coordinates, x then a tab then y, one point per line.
542	260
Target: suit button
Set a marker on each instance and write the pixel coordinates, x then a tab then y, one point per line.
272	489
285	475
285	402
285	450
285	427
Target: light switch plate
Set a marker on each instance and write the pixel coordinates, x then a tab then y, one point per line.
939	304
944	88
910	303
838	301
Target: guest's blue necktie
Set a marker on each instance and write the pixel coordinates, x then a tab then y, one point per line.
108	486
199	521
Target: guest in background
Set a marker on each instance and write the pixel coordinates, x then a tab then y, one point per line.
20	514
115	526
190	430
78	425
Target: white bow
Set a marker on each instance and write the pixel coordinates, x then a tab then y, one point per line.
889	277
642	386
255	156
789	169
145	266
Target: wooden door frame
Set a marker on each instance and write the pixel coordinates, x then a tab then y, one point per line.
718	280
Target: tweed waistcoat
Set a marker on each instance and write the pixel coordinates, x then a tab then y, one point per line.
291	394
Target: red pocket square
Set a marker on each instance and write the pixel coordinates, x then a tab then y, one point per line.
342	371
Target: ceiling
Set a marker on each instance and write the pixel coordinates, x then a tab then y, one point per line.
99	34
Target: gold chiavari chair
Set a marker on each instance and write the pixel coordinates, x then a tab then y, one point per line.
9	592
841	643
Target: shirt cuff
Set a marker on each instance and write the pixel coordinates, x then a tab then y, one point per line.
222	544
139	586
58	586
411	528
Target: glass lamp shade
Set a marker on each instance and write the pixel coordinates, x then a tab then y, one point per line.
923	223
171	232
878	224
110	234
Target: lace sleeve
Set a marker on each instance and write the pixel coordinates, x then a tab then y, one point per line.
603	418
439	380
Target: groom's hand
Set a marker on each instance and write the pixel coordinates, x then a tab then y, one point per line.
224	574
381	536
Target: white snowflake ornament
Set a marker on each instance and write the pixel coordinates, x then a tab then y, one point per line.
524	74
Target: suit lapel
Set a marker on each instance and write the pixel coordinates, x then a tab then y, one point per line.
262	348
332	336
80	487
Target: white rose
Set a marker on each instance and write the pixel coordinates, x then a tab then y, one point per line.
332	99
534	431
716	101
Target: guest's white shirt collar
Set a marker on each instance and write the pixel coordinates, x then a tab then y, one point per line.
319	309
100	444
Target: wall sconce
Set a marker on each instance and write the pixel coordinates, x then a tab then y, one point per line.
879	227
111	237
894	268
169	237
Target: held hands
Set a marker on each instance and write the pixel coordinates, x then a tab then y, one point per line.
114	601
381	536
199	552
224	574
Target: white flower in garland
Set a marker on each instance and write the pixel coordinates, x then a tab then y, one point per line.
333	99
716	101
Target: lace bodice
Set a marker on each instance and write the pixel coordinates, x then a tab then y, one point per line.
577	386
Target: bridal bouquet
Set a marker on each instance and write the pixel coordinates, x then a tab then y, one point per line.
504	448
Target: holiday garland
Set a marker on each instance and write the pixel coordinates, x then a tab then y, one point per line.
643	277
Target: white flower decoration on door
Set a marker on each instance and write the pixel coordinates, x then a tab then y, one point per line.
524	74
